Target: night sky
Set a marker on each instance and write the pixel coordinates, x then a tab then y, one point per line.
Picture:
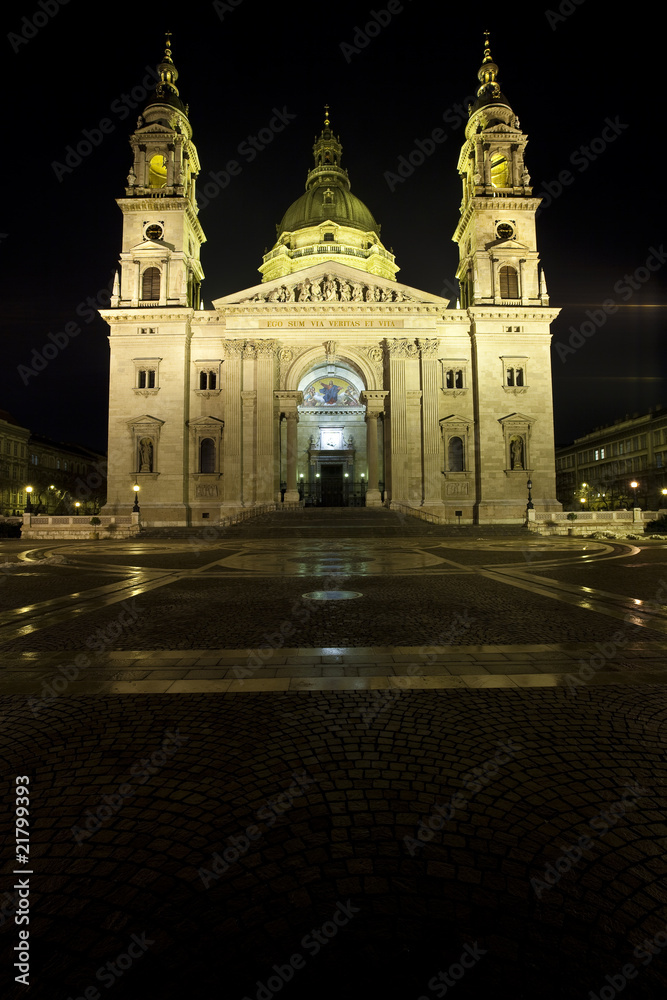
571	78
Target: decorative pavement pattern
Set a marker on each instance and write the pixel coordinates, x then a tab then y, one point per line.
401	760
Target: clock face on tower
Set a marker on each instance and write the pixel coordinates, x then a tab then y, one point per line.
154	232
504	231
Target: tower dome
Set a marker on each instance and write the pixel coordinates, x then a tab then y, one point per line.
328	221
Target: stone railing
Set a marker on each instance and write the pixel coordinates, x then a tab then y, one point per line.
79	526
588	521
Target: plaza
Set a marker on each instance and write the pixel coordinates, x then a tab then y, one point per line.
338	752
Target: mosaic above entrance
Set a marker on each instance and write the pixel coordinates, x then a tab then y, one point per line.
333	391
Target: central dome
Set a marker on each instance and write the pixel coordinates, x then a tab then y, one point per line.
328	221
328	200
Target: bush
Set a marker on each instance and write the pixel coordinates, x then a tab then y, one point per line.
659	526
95	521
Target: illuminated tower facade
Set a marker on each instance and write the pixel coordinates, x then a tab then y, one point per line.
504	292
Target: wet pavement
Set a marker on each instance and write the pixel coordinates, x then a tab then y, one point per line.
454	776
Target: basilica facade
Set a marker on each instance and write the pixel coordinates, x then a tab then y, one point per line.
329	382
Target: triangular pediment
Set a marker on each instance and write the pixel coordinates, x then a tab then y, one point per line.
154	128
510	244
152	246
516	417
146	418
329	283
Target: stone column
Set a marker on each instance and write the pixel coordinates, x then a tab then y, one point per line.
249	410
289	401
374	400
264	469
231	461
400	350
432	472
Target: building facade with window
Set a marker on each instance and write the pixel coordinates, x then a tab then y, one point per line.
13	464
329	371
598	469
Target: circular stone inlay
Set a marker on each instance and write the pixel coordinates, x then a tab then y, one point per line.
332	595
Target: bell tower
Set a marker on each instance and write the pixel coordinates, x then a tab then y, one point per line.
505	296
498	258
160	259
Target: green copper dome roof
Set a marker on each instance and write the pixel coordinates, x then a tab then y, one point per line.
327	195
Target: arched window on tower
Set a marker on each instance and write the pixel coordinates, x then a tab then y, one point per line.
207	455
455	454
150	284
509	282
158	171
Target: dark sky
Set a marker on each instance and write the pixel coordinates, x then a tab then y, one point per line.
567	77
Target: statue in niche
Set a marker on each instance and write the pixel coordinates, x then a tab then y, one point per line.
345	291
516	453
316	293
131	178
145	455
329	288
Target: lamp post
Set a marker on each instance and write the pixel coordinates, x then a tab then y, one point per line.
633	486
28	504
77	505
136	488
530	505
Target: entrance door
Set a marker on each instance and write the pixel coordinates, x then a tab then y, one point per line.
331	477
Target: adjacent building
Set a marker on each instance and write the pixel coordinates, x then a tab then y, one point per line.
599	468
329	380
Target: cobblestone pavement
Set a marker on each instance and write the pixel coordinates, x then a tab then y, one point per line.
463	786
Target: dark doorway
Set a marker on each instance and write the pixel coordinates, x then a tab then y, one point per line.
332	485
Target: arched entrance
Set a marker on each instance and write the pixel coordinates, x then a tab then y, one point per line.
332	468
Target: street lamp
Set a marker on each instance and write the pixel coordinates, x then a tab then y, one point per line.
28	505
136	488
530	505
633	486
77	505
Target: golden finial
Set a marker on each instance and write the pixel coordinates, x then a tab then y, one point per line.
487	48
326	116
